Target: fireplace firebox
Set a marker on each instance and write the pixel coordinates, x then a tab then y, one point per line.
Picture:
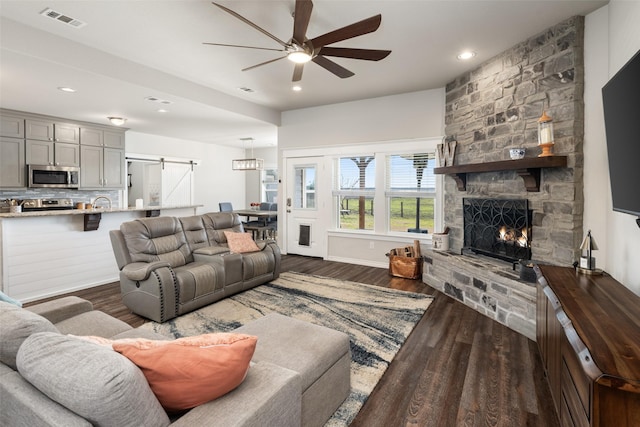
500	228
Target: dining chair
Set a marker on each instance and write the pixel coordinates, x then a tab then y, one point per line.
225	206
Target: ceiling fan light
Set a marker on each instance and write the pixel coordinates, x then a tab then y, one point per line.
299	57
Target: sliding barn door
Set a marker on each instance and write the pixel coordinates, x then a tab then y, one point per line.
177	184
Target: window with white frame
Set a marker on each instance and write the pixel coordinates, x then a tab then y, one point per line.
354	192
270	186
404	201
304	195
410	191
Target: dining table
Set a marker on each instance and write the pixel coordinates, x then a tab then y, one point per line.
262	216
260	229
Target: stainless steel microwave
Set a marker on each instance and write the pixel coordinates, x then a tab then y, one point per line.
48	176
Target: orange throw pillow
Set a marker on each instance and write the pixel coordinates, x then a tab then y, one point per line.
190	371
240	243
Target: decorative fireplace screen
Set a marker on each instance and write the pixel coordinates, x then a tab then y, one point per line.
498	227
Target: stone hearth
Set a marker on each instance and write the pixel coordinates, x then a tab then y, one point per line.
487	285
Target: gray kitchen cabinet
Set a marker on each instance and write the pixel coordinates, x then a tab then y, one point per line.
12	126
114	168
114	139
52	153
34	139
92	136
102	158
52	131
101	138
12	163
101	167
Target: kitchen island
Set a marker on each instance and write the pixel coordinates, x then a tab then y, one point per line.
191	208
47	253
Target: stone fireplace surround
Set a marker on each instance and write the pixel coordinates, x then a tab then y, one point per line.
489	110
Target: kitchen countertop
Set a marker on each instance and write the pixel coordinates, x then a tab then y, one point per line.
58	212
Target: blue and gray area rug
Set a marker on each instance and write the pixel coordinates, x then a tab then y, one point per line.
378	320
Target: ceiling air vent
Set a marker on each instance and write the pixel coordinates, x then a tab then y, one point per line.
75	23
158	100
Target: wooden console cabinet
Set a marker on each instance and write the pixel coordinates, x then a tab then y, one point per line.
588	333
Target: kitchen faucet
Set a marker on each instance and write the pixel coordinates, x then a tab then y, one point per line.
101	197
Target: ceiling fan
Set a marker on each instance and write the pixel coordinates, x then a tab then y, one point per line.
301	50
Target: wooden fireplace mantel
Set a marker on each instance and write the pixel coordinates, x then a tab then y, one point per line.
528	168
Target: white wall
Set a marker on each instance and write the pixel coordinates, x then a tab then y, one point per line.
410	116
612	37
214	180
406	116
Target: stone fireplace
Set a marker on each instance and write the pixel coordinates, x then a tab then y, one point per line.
488	111
495	108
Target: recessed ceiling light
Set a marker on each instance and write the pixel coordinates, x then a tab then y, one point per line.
66	89
296	88
162	111
468	54
246	89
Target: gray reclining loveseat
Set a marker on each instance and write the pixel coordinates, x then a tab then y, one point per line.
170	266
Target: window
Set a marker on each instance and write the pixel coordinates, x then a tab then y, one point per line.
389	191
305	187
410	191
355	191
270	186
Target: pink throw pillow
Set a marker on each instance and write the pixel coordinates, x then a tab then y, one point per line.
240	243
188	372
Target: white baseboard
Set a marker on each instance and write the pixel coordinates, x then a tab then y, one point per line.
357	261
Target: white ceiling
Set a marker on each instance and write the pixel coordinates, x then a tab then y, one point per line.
130	50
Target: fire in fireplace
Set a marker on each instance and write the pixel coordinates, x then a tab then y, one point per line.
500	228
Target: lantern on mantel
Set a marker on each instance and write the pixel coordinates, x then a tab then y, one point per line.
545	135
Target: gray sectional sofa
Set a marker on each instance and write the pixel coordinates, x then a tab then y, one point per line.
170	266
299	374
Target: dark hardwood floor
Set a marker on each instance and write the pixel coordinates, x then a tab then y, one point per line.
457	368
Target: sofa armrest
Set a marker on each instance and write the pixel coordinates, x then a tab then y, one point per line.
21	404
137	271
212	250
271	245
61	309
269	396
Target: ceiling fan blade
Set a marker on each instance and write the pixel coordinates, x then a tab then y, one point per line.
246	21
245	47
301	17
263	63
345	52
365	26
297	73
332	67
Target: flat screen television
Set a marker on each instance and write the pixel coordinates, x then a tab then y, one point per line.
621	102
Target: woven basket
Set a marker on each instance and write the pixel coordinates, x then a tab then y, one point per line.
407	267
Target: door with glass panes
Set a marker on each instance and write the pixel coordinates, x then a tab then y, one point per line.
303	205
